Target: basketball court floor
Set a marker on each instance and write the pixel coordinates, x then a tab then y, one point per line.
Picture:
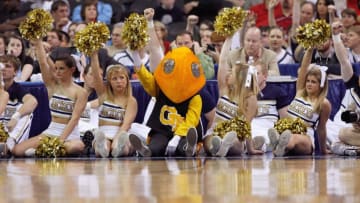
163	180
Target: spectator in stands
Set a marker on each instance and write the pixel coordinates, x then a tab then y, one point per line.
104	11
54	39
60	11
89	11
65	39
72	31
272	105
265	31
162	32
124	58
276	44
13	12
16	47
118	44
20	106
217	42
198	31
311	106
3	43
185	39
205	9
302	13
168	12
253	47
237	98
322	9
279	14
117	110
348	18
353	43
347	135
67	102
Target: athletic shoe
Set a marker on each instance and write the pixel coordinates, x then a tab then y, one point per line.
274	138
215	145
100	146
139	146
191	142
227	142
120	141
88	139
258	142
283	142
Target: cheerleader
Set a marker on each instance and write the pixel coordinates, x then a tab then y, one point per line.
272	105
310	105
117	110
67	101
238	90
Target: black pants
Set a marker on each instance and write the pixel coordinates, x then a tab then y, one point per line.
159	142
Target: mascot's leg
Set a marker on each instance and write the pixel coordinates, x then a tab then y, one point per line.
191	142
226	143
139	146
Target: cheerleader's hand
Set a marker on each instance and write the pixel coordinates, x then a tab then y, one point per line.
172	145
136	58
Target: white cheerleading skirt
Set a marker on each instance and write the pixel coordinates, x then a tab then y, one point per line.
109	130
56	129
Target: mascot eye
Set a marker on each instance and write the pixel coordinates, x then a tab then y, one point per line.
169	66
195	69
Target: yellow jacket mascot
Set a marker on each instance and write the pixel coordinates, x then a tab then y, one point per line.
175	119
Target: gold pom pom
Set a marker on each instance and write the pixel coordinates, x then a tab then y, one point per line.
229	21
92	37
237	124
3	133
313	34
50	147
135	31
296	126
36	24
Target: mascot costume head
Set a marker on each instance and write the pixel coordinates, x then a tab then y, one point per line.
180	75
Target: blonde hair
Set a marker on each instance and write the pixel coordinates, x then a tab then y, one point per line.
238	92
111	70
323	90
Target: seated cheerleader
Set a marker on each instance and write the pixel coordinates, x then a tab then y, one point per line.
90	117
67	102
117	110
238	91
310	105
272	105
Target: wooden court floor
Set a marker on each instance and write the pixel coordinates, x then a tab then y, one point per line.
214	180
